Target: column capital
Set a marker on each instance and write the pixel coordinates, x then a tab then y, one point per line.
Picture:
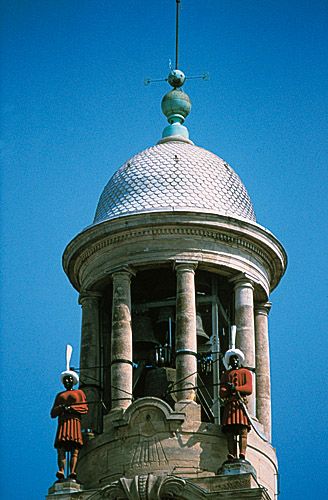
242	280
262	308
123	271
185	265
88	295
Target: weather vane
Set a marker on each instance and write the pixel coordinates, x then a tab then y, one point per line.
176	77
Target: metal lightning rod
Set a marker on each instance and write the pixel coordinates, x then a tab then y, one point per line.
177	33
204	76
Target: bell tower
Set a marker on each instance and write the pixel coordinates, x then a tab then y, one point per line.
173	259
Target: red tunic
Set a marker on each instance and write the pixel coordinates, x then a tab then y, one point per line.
69	421
233	413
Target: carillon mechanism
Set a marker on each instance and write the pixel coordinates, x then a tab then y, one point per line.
163	355
165	327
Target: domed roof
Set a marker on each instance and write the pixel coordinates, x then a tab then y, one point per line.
174	175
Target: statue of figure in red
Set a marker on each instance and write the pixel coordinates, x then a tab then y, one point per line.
69	406
236	385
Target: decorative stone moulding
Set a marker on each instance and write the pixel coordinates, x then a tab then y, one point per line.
157	487
153	487
219	244
144	487
151	439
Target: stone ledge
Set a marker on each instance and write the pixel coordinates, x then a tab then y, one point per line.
240	487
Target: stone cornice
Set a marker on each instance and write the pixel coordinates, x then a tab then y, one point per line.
250	237
213	234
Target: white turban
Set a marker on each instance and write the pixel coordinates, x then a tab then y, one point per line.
69	373
233	352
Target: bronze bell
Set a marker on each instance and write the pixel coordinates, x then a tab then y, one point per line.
202	337
164	314
142	330
205	348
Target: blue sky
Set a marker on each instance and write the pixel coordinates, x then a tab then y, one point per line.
74	108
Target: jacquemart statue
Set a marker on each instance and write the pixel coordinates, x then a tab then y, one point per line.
69	406
236	385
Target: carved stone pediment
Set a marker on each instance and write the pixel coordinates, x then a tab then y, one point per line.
155	410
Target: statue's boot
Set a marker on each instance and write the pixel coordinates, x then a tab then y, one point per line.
243	443
73	462
232	446
61	459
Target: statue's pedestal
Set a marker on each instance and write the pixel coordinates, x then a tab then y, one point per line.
232	468
226	486
63	488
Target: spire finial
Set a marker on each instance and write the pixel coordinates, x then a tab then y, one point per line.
176	104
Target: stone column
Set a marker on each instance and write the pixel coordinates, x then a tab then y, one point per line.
244	319
90	379
186	340
121	343
263	385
